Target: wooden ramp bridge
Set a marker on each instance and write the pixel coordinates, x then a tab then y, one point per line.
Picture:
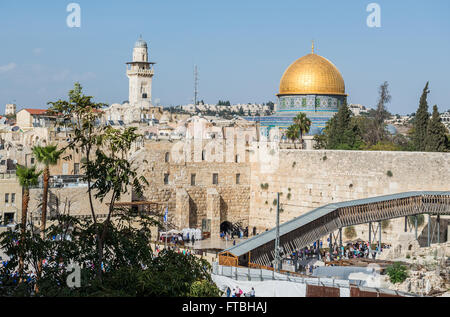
300	232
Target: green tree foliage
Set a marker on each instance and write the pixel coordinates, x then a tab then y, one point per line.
436	140
129	268
397	273
303	124
420	123
293	133
28	177
300	127
341	132
46	155
271	105
420	220
224	103
384	146
204	288
372	127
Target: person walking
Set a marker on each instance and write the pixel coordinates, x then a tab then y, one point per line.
252	292
228	292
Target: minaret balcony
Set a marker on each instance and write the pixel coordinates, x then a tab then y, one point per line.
140	72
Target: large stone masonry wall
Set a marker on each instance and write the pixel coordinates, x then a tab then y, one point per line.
315	178
234	198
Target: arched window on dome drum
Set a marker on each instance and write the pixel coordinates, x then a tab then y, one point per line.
144	95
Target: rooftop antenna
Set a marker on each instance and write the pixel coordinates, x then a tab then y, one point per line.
312	47
195	85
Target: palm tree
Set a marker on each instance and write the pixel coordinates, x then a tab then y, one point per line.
303	123
292	133
28	177
47	155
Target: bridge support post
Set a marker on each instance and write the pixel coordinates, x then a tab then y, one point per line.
438	220
370	233
318	249
406	223
429	227
379	236
415	225
341	252
331	246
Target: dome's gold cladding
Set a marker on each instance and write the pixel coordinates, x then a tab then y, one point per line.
312	74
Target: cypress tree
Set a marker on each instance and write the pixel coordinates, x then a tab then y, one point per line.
421	122
436	140
341	133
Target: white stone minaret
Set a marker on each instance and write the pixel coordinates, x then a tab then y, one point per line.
140	73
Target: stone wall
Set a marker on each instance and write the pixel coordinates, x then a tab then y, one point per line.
168	178
310	179
305	179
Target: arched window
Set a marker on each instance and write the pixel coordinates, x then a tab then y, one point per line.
166	158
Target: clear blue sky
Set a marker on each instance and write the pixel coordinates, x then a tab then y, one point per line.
241	48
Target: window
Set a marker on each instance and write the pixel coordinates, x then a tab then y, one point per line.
65	168
203	155
166	157
6	198
144	96
13	198
32	160
76	168
8	217
236	158
192	179
166	179
215	179
238	179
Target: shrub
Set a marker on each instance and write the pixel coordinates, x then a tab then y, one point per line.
385	224
420	220
324	158
350	232
397	273
264	186
389	174
204	288
289	196
275	202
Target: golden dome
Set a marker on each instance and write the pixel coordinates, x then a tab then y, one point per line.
312	74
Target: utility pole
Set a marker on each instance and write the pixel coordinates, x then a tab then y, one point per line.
165	222
195	85
277	239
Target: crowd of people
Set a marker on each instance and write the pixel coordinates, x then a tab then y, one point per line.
182	237
358	249
237	292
